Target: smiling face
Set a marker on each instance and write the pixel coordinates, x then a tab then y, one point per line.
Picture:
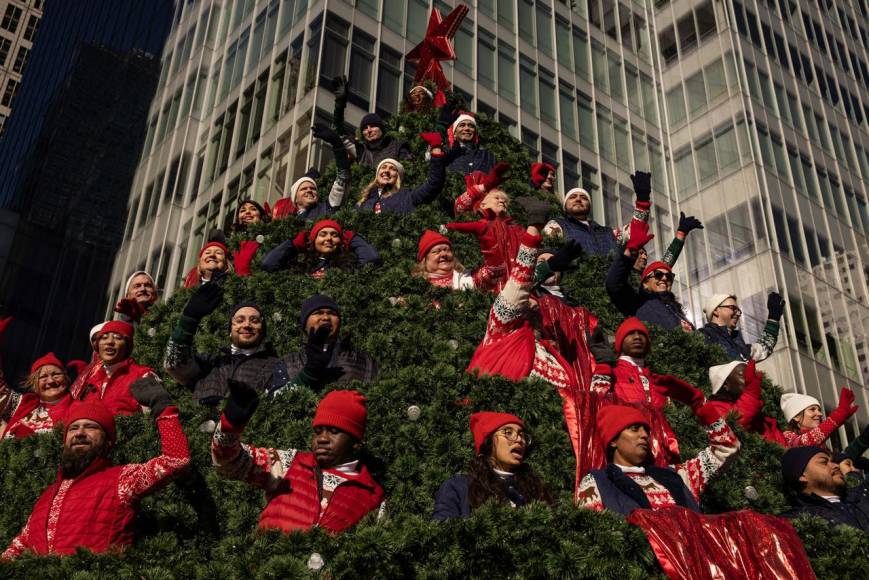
465	131
142	290
631	446
332	446
327	241
658	281
418	96
635	344
810	418
84	441
548	183
248	214
823	477
508	447
440	260
387	175
735	382
246	328
213	259
372	133
306	195
554	278
321	317
727	314
578	206
112	348
497	201
51	383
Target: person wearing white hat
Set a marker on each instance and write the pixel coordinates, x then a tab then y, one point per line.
722	314
140	294
463	131
805	417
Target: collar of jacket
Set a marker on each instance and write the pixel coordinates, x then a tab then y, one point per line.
264	350
363	477
815	499
721	329
592	225
379	144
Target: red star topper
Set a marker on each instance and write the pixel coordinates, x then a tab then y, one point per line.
436	46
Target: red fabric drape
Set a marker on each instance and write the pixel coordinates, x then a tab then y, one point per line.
729	546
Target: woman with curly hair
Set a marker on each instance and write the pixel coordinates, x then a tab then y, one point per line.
498	471
327	245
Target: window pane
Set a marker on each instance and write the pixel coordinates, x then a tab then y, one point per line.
464	46
562	42
635	96
706	164
676	105
650	109
580	53
547	98
486	60
599	62
617	89
393	15
506	72
605	134
544	30
684	170
568	113
528	86
695	92
725	144
586	122
623	152
417	20
715	81
526	20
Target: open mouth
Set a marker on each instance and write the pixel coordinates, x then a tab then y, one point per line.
110	351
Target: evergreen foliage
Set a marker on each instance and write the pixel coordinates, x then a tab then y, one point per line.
204	526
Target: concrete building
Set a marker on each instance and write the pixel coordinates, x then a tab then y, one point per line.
20	21
773	163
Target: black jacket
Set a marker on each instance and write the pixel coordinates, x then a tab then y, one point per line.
658	308
852	511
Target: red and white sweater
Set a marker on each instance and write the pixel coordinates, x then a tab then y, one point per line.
483	278
696	472
816	436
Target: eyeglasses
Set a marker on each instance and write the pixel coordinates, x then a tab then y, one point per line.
661	275
55	375
733	308
512	435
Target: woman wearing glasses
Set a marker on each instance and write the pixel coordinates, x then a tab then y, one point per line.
498	470
39	410
722	316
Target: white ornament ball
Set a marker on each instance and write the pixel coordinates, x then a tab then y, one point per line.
260	238
751	493
454	344
396	243
277	316
413	412
315	562
208	426
152	332
393	300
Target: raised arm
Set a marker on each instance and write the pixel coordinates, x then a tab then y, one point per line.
775	306
623	296
179	361
365	252
723	443
750	403
281	257
819	434
512	302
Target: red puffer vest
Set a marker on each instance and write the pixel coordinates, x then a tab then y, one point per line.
116	395
90	514
299	508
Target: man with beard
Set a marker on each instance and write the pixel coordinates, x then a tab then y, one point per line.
93	504
139	295
327	487
819	488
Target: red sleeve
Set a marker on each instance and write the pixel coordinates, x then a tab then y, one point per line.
138	479
815	436
749	405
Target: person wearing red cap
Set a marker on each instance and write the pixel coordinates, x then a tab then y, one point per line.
632	382
327	245
212	261
497	472
630	481
40	409
112	378
437	264
543	177
328	487
92	504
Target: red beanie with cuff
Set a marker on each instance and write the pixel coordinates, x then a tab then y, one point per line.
96	411
46	359
655	266
625	328
125	329
613	419
343	410
214	244
429	240
324	224
485	423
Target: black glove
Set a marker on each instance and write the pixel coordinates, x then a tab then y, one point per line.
688	223
204	301
150	392
243	401
642	181
318	355
339	87
775	306
536	210
328	135
561	260
447	116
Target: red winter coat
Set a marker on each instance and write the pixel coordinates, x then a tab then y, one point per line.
96	509
18	425
114	389
299	509
750	418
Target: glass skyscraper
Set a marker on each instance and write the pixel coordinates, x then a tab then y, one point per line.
748	115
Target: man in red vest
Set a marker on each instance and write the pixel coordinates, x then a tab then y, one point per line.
326	487
92	504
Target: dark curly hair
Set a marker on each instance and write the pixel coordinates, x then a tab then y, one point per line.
264	217
484	484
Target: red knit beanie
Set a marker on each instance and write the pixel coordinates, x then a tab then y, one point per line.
429	240
344	410
613	419
655	266
625	328
214	245
95	410
485	423
324	224
47	359
125	329
539	173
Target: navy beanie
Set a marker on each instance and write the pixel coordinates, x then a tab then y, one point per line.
794	461
316	303
245	304
371	119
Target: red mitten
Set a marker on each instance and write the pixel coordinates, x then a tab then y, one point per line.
753	377
300	242
477	228
346	237
639	235
130	308
707	414
682	391
243	257
434	139
846	407
497	176
4	322
266	208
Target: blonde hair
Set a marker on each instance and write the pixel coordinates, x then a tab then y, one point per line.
32	380
366	191
229	268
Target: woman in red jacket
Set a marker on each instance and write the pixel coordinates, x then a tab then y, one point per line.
38	411
736	387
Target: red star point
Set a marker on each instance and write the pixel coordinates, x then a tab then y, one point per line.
437	46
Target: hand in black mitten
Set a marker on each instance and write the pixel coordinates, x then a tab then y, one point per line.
536	210
339	87
642	181
561	260
242	403
326	134
447	116
150	392
318	353
775	306
688	223
204	301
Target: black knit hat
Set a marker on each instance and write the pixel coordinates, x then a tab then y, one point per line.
247	304
372	119
794	461
316	303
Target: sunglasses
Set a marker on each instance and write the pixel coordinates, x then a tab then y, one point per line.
661	275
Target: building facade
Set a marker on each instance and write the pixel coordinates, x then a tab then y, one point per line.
688	90
20	21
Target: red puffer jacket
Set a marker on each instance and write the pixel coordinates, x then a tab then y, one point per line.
114	389
300	508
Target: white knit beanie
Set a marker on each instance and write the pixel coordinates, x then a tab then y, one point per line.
464	117
297	184
571	193
714	302
95	330
133	275
719	373
398	166
792	404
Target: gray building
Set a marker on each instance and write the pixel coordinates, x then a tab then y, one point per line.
746	115
19	22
